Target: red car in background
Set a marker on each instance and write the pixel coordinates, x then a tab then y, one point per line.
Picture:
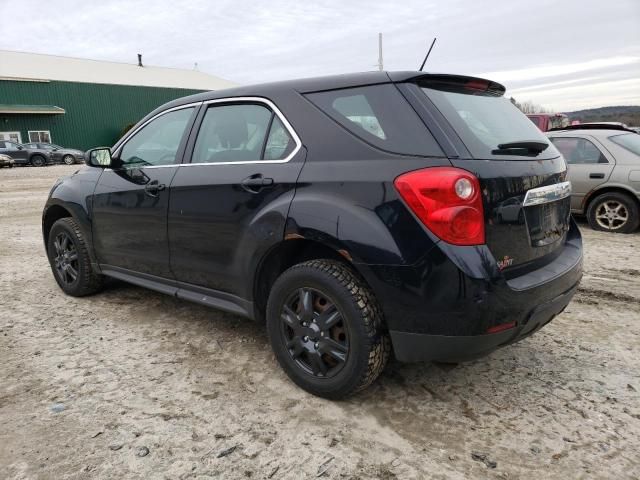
547	121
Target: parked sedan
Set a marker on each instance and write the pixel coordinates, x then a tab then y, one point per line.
25	156
604	170
59	154
6	161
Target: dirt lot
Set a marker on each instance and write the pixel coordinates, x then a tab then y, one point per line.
133	384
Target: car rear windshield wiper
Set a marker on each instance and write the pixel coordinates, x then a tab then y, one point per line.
522	147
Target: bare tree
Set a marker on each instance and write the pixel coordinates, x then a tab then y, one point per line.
529	107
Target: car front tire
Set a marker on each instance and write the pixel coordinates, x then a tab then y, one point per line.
68	159
613	212
69	259
326	329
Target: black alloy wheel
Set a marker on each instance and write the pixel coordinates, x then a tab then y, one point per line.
326	328
66	259
314	332
70	261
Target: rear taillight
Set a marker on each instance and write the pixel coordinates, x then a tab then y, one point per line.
447	200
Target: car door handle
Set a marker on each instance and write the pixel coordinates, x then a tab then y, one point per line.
256	182
153	187
596	175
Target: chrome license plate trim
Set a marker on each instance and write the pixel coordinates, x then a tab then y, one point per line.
547	194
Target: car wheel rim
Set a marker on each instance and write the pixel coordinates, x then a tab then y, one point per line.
315	333
612	215
37	161
68	160
66	258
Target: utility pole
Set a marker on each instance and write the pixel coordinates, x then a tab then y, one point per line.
380	63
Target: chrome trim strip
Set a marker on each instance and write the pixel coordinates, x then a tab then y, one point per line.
275	110
265	101
550	193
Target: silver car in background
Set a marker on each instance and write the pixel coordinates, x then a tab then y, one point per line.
604	170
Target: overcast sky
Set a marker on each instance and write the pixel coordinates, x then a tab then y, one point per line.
566	55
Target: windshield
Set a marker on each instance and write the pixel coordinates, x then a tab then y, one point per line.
484	122
630	141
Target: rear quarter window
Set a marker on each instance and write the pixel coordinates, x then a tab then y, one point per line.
628	141
380	116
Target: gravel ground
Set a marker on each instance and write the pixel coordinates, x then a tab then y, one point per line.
133	384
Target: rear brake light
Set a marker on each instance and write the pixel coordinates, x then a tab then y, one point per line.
447	200
477	85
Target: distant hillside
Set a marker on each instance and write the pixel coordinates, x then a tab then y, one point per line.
629	114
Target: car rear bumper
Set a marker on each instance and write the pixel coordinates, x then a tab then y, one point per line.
446	306
416	347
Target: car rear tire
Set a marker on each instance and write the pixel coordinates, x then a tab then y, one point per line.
326	329
38	161
613	212
68	159
70	261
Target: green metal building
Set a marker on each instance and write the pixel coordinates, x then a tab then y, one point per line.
80	103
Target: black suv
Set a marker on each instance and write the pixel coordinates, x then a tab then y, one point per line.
352	213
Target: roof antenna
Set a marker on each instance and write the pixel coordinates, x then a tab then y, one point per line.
140	60
425	58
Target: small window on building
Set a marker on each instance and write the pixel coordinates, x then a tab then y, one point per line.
40	136
11	136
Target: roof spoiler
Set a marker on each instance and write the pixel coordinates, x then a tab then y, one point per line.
593	126
452	83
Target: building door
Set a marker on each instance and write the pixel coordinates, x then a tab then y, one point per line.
11	136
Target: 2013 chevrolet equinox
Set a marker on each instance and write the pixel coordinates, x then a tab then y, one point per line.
351	213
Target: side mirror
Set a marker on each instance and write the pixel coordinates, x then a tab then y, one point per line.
98	157
20	147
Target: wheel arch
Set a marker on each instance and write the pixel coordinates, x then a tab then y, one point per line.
616	188
292	250
55	210
37	154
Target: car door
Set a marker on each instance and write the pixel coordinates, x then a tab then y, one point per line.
56	157
230	203
130	200
588	165
17	152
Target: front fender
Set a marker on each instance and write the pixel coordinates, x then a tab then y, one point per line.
74	194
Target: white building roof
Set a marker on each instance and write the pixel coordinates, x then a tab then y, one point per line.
39	67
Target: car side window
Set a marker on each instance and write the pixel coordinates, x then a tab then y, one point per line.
158	141
233	133
578	150
279	143
379	115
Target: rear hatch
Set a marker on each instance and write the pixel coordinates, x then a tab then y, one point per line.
522	176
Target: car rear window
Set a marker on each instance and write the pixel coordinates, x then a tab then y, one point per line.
484	120
630	141
379	115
